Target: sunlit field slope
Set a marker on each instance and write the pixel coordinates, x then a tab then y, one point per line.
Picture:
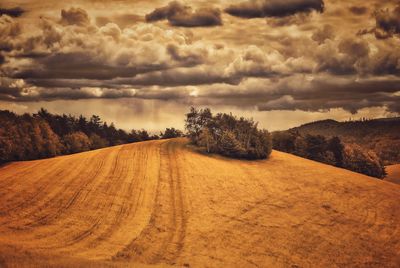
393	173
161	203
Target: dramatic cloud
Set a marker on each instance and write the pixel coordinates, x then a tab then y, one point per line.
296	19
358	10
90	52
322	34
122	20
387	22
274	8
349	94
9	30
180	15
12	12
74	16
290	60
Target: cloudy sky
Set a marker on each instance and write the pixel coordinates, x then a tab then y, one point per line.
142	63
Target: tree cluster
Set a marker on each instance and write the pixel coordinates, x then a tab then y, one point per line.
330	151
227	135
41	135
379	135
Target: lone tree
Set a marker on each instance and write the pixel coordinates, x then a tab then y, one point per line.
227	135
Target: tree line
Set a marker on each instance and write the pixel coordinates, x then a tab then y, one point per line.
42	135
227	135
330	151
379	135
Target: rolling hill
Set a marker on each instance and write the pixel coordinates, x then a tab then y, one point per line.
393	173
380	135
162	203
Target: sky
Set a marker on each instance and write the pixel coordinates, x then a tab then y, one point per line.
142	64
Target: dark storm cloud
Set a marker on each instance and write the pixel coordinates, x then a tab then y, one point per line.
188	59
352	55
324	33
354	48
179	77
351	95
12	12
181	15
358	10
386	63
74	16
296	19
61	94
18	90
122	20
80	65
167	78
387	22
292	93
274	8
70	83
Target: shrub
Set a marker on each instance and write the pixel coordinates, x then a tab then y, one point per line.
260	145
227	135
360	160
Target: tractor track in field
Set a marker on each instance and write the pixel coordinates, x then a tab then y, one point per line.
167	223
32	206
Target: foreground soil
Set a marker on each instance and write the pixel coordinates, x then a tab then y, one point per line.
160	203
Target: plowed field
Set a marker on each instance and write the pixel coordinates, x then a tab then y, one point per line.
162	203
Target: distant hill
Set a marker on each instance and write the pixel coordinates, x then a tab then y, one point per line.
380	135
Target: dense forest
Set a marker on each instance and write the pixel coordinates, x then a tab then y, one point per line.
330	151
41	135
379	135
227	135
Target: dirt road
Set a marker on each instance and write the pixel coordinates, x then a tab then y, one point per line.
161	203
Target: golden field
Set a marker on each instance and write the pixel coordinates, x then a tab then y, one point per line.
161	203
